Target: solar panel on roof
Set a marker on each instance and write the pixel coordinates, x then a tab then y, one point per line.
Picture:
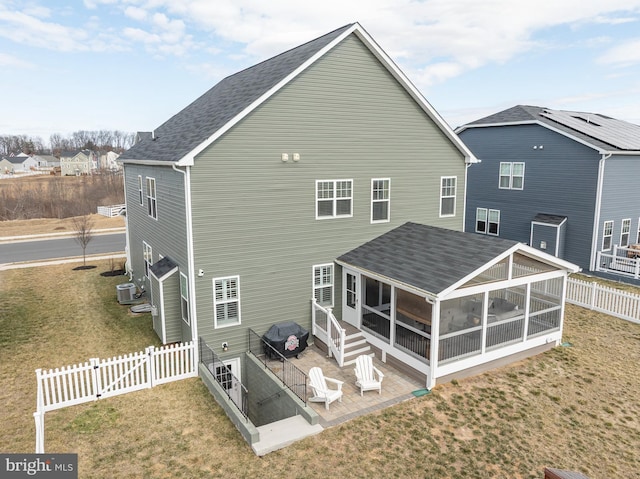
617	133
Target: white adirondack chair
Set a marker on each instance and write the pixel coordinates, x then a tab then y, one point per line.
321	391
368	377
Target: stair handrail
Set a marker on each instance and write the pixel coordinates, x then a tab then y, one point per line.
336	334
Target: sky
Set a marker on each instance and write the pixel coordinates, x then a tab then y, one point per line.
130	65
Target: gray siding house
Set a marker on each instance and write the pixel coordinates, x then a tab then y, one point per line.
564	182
247	209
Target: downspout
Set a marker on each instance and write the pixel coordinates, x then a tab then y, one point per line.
127	249
466	187
598	205
191	260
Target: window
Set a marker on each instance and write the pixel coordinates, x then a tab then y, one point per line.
487	221
350	289
140	192
481	220
511	176
226	301
148	257
380	200
334	198
494	222
184	297
638	238
624	233
448	196
323	284
152	205
607	233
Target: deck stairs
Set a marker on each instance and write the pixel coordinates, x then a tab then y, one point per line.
355	344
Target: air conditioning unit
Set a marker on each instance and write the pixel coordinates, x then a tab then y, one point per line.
125	292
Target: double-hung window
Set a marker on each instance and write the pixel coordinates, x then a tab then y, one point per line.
380	197
607	234
148	257
184	297
448	196
487	221
323	284
511	175
152	204
334	198
226	301
624	232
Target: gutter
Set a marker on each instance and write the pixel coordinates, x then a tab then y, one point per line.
598	206
193	317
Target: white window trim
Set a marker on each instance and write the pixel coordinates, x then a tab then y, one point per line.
638	237
152	199
511	175
324	285
140	190
147	254
387	200
334	199
625	222
486	223
497	233
184	281
604	235
442	196
216	302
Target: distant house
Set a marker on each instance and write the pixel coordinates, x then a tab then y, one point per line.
21	163
108	161
46	161
564	182
76	163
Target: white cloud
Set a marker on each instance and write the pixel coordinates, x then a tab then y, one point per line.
13	62
135	13
622	55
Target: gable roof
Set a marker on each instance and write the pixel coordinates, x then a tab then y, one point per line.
190	131
434	259
600	132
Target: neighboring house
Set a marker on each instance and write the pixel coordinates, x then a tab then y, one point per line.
108	161
564	182
18	164
76	163
291	187
46	161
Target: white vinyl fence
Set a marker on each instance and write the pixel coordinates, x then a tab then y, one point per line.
605	299
103	378
110	211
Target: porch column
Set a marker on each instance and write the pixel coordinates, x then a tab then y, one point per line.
435	340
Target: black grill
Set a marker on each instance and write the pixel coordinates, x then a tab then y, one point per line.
287	338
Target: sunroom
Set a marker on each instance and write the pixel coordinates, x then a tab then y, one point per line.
447	304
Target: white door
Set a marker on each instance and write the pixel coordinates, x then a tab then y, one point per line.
351	297
229	377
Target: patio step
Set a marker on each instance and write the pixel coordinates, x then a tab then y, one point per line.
356	345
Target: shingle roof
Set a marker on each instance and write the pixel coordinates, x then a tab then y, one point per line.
602	132
162	267
549	219
206	115
426	257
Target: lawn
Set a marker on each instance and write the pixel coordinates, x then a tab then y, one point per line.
575	407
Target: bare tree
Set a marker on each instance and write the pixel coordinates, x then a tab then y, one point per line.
83	233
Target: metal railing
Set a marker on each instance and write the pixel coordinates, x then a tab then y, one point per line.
232	386
292	377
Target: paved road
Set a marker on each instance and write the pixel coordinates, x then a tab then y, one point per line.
59	248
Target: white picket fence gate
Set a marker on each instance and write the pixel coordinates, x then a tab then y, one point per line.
103	378
605	299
